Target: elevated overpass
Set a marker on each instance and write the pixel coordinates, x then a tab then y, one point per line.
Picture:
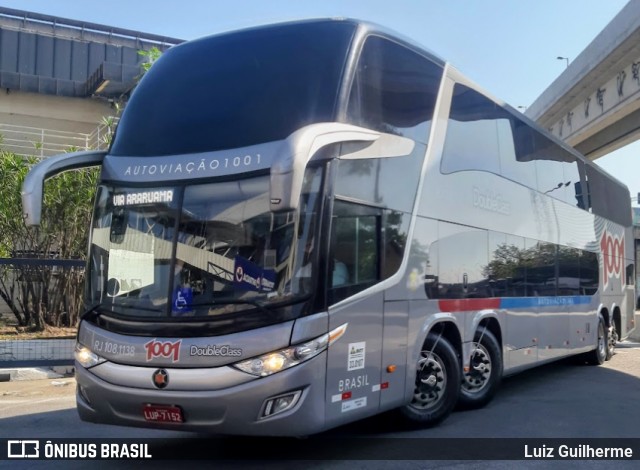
59	78
594	105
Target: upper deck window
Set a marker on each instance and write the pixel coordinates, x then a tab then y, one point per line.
236	90
484	136
394	90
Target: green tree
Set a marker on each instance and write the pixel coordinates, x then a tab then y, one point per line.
151	55
36	294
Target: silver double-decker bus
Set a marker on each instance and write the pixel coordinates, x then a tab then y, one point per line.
304	224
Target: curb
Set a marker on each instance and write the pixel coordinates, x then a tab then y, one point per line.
36	373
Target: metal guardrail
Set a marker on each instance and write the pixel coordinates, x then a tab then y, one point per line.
101	136
34	141
56	22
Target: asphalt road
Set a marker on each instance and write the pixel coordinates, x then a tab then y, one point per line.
563	400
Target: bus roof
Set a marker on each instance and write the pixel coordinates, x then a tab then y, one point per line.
363	26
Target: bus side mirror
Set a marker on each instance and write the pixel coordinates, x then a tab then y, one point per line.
33	184
301	147
287	170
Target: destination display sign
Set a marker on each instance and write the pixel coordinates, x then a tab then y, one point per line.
143	197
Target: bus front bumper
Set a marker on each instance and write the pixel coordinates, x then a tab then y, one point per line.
236	410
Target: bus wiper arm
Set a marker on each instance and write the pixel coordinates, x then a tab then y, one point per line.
222	303
135	307
264	308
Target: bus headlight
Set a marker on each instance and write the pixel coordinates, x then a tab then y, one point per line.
276	361
86	357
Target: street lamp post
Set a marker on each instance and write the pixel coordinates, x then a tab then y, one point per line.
563	58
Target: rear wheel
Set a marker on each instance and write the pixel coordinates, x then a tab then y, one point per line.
437	383
612	340
599	355
481	381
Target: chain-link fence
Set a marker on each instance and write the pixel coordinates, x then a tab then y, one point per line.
28	352
36	352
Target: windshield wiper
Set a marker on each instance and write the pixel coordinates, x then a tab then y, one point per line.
259	305
132	307
223	302
93	309
98	309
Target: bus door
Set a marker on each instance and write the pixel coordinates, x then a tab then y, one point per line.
629	301
353	368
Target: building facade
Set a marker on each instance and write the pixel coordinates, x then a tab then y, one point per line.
60	79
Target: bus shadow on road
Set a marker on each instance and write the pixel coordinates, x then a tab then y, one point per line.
565	398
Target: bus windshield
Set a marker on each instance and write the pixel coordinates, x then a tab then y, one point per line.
200	250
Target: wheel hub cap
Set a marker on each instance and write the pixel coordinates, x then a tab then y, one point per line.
431	381
479	371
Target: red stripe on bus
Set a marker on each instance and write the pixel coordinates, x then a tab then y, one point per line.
464	305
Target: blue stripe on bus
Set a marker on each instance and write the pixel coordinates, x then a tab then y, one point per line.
524	302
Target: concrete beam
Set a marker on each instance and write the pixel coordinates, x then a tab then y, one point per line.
623	131
53	112
599	91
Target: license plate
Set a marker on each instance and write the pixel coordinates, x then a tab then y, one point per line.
163	414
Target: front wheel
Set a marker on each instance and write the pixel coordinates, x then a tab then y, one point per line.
437	383
480	383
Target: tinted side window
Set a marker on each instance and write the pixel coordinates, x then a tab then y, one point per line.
541	274
484	136
506	270
394	235
394	90
472	141
355	249
516	267
569	271
367	245
608	198
515	159
462	258
530	268
558	171
589	273
376	180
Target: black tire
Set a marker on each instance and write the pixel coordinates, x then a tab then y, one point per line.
437	383
612	340
599	354
481	383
